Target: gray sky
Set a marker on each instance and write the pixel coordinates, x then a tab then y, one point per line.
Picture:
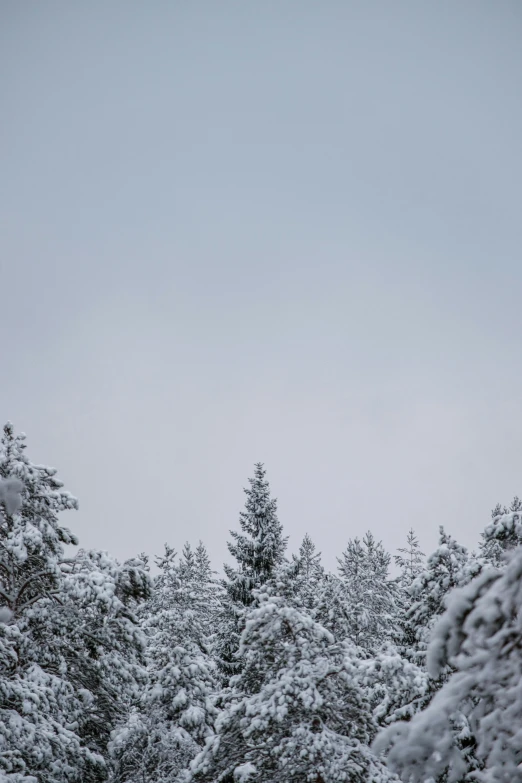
277	231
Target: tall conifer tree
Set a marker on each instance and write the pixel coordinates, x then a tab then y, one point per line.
370	594
258	550
310	574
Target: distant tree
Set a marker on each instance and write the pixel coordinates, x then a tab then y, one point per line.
187	564
309	575
370	594
333	608
198	580
410	560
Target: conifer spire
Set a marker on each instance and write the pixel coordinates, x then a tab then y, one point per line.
260	548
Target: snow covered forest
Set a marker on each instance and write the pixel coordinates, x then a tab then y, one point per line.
280	671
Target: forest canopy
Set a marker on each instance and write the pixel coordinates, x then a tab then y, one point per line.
279	670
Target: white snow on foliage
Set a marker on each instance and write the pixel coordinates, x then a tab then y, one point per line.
280	672
10	494
244	772
480	637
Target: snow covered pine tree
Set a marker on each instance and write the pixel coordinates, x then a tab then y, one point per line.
411	562
449	567
175	713
39	709
309	575
479	638
364	596
296	712
503	534
258	550
56	634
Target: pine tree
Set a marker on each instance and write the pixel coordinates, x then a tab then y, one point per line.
32	539
71	644
503	534
39	707
187	564
204	571
174	716
166	583
198	581
478	640
395	687
370	594
310	574
333	608
448	567
410	560
259	550
94	633
296	711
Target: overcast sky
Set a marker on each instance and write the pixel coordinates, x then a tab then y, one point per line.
286	232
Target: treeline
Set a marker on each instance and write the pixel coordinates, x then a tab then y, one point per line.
280	671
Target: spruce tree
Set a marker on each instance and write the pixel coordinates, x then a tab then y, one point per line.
333	608
203	590
310	574
258	550
187	564
260	547
174	714
410	560
370	594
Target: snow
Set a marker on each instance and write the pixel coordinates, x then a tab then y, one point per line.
280	672
10	494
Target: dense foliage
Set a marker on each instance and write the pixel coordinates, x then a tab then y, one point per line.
279	671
